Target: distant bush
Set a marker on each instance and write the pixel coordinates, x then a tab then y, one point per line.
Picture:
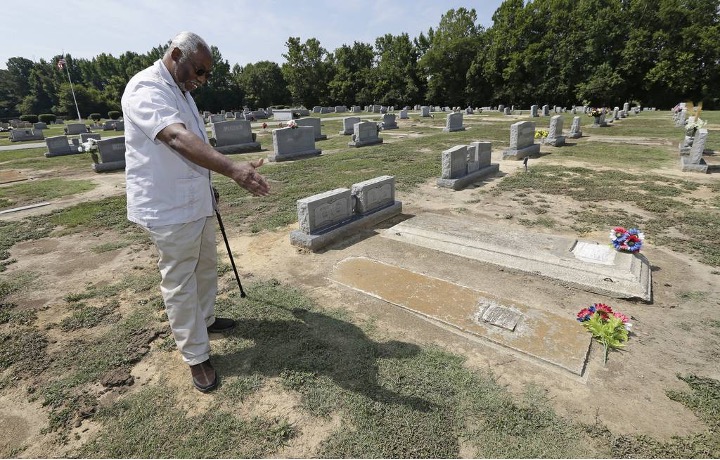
94	117
47	118
29	118
114	114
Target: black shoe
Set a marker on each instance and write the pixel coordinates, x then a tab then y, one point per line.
204	376
221	325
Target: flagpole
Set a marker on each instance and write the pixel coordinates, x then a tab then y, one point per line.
72	90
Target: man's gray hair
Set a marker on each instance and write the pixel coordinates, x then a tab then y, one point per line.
188	43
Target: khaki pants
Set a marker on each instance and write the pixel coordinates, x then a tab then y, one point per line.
188	267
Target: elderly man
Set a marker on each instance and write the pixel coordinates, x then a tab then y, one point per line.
169	192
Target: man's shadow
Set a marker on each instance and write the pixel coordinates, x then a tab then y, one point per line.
318	344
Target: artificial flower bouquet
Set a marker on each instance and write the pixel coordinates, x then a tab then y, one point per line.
595	112
626	240
693	124
292	124
541	133
611	328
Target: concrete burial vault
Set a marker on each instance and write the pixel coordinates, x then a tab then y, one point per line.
586	265
551	339
530	332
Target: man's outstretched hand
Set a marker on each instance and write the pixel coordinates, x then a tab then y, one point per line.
248	178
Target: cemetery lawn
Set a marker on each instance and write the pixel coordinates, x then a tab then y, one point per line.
314	369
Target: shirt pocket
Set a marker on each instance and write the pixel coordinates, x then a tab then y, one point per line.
191	191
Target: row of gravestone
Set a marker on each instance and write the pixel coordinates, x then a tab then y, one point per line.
36	132
335	109
110	154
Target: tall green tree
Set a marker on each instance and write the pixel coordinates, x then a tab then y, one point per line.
454	45
19	74
43	93
397	78
262	84
605	32
308	71
501	65
684	64
14	85
353	75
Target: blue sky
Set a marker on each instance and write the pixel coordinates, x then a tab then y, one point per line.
243	30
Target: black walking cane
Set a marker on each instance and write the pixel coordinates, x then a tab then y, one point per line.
227	246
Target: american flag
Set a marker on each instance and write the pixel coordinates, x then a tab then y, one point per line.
61	64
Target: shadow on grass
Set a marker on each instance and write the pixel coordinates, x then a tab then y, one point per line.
316	344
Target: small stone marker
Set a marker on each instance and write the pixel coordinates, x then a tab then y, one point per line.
388	121
522	141
555	137
293	143
315	124
491	312
365	133
594	253
694	161
575	132
349	125
111	153
454	123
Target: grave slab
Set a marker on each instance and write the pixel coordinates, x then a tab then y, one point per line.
585	265
540	335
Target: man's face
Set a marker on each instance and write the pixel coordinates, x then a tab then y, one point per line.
193	71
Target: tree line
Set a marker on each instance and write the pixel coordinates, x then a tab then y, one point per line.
556	52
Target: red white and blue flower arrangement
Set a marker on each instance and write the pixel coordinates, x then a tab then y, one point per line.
626	240
611	328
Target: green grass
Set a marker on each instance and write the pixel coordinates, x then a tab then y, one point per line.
151	425
395	399
23	193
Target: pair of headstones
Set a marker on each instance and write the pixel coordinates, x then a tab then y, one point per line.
329	216
60	146
26	134
465	164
